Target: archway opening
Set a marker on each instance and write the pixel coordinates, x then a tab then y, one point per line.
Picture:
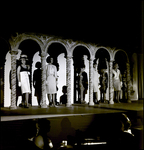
102	57
32	49
59	53
121	60
4	47
81	56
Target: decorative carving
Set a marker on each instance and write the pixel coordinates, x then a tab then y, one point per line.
68	80
128	82
91	82
43	79
13	79
111	89
70	43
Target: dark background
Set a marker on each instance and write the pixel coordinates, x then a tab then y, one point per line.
114	24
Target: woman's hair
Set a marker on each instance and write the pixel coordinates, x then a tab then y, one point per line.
48	59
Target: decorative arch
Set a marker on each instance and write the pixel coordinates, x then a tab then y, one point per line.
81	44
54	40
122	51
22	37
109	52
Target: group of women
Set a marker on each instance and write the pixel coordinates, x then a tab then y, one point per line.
23	76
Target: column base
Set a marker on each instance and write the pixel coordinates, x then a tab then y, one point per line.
68	104
111	102
128	101
13	107
43	105
91	103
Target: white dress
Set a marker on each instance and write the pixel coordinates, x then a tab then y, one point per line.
51	79
116	80
25	80
95	80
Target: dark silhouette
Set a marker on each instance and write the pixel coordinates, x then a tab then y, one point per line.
37	82
63	98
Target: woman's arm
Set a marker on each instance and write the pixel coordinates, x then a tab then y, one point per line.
18	73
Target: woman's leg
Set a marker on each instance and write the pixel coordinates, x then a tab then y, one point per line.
26	99
96	98
49	98
118	96
53	99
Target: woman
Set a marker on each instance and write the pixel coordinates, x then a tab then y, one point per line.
37	82
117	82
83	84
104	85
51	80
95	83
23	74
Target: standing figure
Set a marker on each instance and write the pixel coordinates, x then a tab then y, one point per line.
95	82
37	82
51	81
124	86
23	74
63	98
117	82
83	84
104	84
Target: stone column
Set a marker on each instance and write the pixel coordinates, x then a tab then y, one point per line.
128	82
13	79
111	90
91	103
68	80
43	79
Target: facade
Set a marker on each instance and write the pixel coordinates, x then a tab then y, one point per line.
44	42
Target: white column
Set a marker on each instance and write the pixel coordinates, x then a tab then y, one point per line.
111	90
68	80
13	79
91	103
43	79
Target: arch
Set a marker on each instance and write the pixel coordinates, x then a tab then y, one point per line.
81	57
54	40
102	47
29	47
119	51
121	55
81	44
22	37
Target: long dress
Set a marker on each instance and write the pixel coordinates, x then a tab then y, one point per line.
116	80
95	80
25	80
51	76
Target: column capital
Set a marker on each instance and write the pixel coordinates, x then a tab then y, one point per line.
69	57
43	54
13	52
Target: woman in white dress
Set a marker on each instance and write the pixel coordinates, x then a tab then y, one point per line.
23	74
51	81
117	82
95	83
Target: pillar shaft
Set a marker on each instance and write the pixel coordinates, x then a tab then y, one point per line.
68	80
43	79
13	79
111	90
91	82
128	82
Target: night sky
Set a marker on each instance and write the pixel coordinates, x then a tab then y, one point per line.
117	24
